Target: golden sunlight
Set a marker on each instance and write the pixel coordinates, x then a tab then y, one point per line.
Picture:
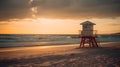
54	26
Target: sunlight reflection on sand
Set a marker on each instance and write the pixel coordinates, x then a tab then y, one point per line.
61	56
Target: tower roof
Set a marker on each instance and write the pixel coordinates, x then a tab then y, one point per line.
87	23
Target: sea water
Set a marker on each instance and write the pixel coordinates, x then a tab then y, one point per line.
23	40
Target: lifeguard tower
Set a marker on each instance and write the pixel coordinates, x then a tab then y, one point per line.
88	34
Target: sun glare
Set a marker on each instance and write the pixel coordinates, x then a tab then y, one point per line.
52	26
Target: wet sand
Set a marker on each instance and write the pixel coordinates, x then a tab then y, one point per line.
108	55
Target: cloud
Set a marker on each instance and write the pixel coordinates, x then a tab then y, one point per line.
14	9
78	8
62	9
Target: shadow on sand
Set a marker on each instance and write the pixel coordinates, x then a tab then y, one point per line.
92	57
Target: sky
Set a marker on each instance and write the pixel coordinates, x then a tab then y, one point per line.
58	16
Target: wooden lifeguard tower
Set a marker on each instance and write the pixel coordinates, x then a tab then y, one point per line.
88	34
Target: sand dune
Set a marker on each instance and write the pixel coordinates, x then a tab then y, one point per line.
108	55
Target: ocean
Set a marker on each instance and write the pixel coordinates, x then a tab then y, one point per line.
24	40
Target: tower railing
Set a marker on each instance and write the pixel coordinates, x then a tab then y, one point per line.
92	33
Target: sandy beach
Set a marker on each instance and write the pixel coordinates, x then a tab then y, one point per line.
108	55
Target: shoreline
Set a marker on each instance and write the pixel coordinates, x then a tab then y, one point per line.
62	56
51	45
105	44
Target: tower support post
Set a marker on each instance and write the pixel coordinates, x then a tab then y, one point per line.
89	40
